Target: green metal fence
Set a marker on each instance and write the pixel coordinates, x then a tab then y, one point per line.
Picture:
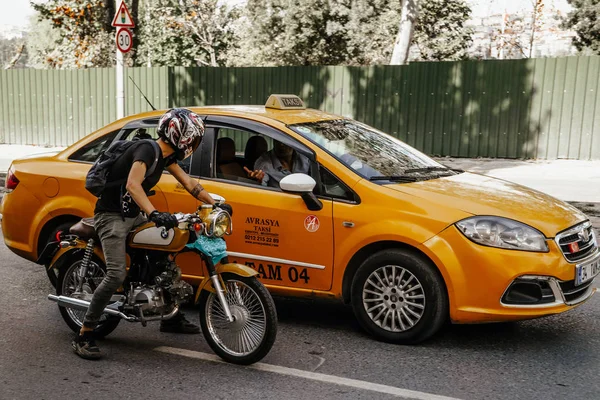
539	108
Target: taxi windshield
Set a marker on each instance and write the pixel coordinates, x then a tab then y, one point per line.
369	152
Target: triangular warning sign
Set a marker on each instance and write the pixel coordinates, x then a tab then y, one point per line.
122	17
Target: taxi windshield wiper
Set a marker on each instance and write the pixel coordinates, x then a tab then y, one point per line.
393	178
427	169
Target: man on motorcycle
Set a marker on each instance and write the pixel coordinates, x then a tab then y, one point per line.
118	212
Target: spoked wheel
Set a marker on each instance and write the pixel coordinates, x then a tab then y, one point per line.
251	335
68	279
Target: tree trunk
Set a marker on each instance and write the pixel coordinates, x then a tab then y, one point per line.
135	7
405	32
534	17
213	57
16	58
147	22
109	9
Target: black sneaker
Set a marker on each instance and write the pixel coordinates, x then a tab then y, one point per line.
179	324
85	346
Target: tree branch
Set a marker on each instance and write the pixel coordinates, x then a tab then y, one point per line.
16	58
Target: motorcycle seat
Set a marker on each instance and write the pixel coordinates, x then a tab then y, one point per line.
84	229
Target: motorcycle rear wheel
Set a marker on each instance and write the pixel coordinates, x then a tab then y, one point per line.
66	284
250	337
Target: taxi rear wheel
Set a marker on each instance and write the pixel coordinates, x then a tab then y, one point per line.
399	297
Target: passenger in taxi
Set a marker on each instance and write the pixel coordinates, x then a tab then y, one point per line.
275	164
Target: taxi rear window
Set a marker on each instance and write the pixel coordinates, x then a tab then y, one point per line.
91	151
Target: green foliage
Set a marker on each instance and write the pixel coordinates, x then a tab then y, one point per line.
287	32
584	20
350	32
440	31
372	29
84	38
42	41
186	33
264	33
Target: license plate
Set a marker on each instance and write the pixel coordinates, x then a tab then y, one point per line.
586	272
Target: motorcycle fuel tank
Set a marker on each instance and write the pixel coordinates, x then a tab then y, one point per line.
148	236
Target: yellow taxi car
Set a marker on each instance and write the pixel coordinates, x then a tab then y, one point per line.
370	220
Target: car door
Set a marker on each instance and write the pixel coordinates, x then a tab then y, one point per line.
273	232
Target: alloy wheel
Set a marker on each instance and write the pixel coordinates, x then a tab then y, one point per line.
393	298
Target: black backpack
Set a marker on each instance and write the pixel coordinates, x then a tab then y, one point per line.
95	181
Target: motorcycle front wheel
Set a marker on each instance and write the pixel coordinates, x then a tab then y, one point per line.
68	278
251	335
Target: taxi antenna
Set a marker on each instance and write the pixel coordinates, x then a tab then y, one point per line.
143	95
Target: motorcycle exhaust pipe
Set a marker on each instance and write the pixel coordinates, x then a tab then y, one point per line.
83	305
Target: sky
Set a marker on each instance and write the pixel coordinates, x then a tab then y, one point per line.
17	12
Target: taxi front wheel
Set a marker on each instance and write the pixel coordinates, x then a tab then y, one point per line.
399	297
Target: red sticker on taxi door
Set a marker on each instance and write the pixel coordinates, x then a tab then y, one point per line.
311	223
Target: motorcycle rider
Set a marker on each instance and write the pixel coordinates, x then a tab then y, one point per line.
118	209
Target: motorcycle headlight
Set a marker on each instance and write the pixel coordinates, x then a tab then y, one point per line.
503	233
218	224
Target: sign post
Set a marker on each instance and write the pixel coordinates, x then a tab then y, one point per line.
124	39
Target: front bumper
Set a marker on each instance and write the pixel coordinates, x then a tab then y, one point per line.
545	291
479	280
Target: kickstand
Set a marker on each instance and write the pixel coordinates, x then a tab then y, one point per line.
141	315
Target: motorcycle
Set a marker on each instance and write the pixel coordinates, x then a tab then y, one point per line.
237	313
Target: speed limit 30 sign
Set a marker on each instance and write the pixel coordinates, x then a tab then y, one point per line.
124	40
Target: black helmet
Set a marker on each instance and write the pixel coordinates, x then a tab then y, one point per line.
182	129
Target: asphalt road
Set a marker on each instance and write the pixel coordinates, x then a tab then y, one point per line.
552	358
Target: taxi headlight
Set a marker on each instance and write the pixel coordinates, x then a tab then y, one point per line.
219	224
503	233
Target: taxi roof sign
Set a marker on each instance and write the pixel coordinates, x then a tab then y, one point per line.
285	102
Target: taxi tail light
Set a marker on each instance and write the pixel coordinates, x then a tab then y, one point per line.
11	181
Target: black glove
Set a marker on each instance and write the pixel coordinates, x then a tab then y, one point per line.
167	220
225	207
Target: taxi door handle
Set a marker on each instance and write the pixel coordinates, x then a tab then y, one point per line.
348	224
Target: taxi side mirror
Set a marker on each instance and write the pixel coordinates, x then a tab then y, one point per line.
303	185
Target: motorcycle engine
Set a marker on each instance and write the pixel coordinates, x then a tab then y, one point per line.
168	289
170	280
150	299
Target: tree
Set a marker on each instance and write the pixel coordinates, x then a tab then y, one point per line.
186	32
370	26
440	30
584	20
86	38
524	29
13	53
287	32
410	11
42	41
161	42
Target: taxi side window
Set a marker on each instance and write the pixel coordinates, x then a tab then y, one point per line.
91	151
236	149
332	187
